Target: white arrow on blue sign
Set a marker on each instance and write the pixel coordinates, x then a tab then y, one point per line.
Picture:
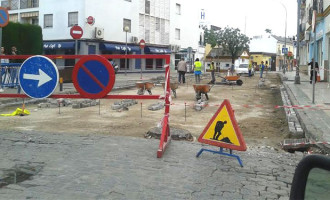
38	77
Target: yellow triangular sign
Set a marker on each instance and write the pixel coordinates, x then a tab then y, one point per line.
223	130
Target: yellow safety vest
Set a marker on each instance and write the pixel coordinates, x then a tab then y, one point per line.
212	67
198	66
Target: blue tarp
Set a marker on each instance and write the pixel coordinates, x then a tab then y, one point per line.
119	48
59	45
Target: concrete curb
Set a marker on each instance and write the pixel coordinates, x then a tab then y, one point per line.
311	132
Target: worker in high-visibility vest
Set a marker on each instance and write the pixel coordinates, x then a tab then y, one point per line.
212	69
197	70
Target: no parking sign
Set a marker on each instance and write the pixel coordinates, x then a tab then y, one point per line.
93	76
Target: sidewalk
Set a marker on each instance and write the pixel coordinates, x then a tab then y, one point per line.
315	120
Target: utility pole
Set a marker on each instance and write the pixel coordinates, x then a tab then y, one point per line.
297	77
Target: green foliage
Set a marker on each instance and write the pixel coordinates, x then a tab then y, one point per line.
211	37
267	30
26	37
231	40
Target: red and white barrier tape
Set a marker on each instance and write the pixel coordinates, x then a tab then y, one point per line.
311	107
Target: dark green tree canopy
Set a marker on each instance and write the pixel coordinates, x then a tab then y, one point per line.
231	40
26	37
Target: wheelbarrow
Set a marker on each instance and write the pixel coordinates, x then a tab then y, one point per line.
173	86
202	89
143	86
231	80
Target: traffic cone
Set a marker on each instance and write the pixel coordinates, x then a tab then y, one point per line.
318	78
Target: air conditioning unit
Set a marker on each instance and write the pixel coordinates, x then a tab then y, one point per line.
135	39
173	48
178	48
99	33
307	35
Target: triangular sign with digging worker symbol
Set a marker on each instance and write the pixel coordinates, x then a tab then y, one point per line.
223	131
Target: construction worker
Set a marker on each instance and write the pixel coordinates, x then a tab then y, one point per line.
212	69
197	70
250	69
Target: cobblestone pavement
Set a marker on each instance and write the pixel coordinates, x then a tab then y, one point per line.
74	166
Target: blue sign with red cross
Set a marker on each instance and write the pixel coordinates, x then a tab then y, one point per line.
93	76
4	17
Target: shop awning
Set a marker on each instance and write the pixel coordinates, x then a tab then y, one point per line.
118	48
29	14
155	50
58	45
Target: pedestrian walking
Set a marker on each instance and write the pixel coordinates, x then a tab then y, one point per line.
197	70
232	69
250	69
312	71
212	69
262	68
182	69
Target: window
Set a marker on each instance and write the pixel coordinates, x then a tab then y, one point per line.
147	7
29	4
127	22
157	24
178	9
177	34
13	5
72	19
149	63
48	21
35	21
159	63
13	17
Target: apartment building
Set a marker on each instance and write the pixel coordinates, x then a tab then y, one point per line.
117	23
315	41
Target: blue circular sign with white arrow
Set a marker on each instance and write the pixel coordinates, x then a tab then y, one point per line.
38	77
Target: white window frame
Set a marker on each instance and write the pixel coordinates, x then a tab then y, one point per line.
178	9
177	34
72	18
127	22
48	21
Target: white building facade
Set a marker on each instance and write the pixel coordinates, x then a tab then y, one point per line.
163	24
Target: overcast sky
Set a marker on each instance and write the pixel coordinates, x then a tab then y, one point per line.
259	15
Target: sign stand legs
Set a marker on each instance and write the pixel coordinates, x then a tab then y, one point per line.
221	153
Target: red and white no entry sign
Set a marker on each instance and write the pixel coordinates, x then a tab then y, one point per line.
76	32
142	44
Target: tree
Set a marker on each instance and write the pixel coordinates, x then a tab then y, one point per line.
231	40
268	31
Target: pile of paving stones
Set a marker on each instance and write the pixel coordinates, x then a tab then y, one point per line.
54	103
294	124
156	106
200	104
176	134
123	105
84	103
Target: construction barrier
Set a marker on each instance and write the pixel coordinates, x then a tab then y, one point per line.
9	74
165	137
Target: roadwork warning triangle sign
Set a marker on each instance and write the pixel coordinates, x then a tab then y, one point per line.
223	130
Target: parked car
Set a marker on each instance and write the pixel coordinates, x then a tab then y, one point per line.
243	69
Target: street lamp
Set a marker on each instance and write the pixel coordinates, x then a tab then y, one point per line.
126	29
286	15
297	77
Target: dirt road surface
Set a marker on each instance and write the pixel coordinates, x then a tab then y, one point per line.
261	123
